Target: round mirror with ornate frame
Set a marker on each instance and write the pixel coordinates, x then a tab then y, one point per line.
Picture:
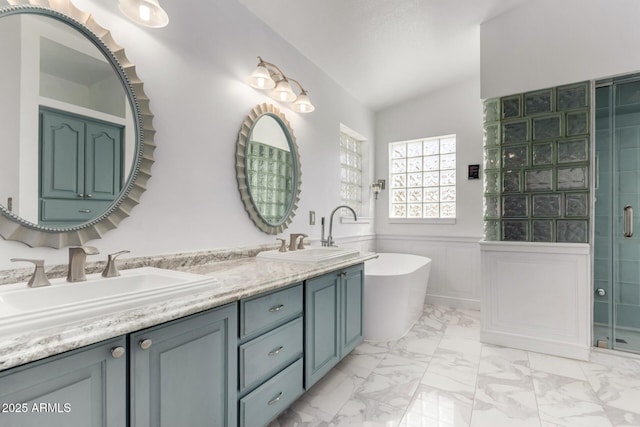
43	205
268	168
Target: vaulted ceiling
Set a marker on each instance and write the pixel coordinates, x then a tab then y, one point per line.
385	51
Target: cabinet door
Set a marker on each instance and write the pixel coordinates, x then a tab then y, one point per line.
352	300
62	144
84	387
322	344
103	178
184	373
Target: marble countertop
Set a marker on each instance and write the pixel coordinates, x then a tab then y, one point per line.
236	279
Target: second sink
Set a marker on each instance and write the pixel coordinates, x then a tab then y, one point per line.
310	255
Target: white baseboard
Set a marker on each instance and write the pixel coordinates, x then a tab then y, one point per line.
453	302
563	349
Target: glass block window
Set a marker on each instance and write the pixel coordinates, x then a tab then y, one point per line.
422	177
351	172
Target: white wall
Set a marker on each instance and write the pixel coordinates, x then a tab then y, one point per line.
548	43
194	72
537	297
451	110
9	111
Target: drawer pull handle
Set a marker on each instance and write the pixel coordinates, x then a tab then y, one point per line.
84	210
276	399
276	308
276	351
145	344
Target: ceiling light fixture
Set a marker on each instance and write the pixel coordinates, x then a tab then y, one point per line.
148	13
268	76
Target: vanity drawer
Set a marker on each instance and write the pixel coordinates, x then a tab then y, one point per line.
265	355
261	313
264	403
73	210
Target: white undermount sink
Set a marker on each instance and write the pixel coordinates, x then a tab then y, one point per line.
23	308
311	255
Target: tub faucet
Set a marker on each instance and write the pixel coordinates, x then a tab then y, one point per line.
77	259
329	241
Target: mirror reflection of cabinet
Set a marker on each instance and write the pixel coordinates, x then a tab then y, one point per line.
81	167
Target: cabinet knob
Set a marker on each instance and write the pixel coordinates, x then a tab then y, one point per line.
145	344
276	308
117	352
276	399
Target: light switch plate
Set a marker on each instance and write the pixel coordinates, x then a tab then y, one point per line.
312	217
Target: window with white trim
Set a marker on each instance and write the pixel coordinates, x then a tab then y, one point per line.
351	172
422	177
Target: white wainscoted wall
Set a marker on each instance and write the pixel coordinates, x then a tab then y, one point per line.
454	248
455	270
537	297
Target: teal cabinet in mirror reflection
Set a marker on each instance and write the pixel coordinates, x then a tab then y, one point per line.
56	188
268	168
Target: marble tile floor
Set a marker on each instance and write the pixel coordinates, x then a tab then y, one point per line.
440	375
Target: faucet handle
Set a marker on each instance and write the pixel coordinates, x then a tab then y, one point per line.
283	245
111	270
39	278
301	244
89	250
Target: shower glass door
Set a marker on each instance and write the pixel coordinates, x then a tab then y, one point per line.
617	245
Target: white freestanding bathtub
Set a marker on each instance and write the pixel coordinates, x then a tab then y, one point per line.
395	287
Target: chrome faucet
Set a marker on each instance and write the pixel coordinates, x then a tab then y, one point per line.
329	240
77	260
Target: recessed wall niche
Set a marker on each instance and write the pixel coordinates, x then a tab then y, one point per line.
536	165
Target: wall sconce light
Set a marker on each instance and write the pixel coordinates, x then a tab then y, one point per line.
148	13
268	76
378	186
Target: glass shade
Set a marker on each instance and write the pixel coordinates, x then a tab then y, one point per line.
283	92
261	78
303	104
148	13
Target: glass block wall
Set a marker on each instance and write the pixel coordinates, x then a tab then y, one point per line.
270	177
536	165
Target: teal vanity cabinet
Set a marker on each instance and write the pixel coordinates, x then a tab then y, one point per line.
270	354
85	387
333	319
183	373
